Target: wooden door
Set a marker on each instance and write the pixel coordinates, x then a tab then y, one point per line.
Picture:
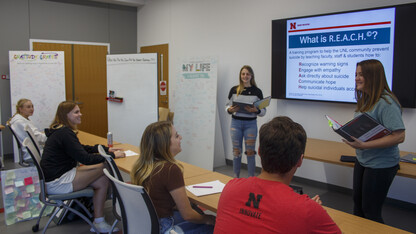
163	70
85	82
67	49
90	86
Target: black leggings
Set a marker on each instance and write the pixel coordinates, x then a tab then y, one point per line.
370	188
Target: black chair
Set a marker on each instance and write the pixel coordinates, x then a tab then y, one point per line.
137	210
58	200
32	137
22	162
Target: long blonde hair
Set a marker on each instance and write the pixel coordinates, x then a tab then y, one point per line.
154	153
375	85
61	116
241	87
19	105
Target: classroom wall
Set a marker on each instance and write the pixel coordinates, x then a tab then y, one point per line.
65	20
239	33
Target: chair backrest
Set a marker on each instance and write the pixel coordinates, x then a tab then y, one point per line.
34	154
32	137
110	161
163	113
19	144
116	173
138	212
170	116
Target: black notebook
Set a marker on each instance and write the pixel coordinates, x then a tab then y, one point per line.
260	104
345	158
362	127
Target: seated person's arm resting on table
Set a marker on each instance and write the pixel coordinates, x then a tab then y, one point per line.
118	152
184	207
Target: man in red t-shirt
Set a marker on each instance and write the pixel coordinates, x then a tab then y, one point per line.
266	204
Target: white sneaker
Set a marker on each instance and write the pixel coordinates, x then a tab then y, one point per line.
103	227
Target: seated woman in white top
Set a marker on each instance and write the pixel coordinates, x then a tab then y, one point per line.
24	109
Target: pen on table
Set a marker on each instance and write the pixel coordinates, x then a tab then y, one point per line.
195	186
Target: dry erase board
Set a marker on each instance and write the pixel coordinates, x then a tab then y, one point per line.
132	77
40	77
195	106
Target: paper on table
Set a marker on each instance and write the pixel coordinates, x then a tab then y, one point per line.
130	153
217	187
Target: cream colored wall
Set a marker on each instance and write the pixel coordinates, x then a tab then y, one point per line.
239	33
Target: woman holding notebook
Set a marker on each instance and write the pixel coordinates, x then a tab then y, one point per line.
244	119
162	176
377	160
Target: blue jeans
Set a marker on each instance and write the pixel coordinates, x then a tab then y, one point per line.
246	129
179	225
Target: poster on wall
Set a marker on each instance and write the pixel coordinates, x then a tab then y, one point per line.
132	81
40	77
195	105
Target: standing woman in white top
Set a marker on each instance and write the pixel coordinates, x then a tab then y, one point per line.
24	109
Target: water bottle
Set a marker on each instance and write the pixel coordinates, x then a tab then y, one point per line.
110	139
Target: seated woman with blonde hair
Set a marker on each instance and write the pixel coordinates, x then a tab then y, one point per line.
25	109
162	176
61	155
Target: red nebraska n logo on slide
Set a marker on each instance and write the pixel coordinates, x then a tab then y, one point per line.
292	26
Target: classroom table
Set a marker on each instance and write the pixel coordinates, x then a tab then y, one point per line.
348	223
331	151
90	139
126	164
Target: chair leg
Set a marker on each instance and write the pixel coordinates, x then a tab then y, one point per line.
35	227
50	220
114	225
73	211
83	217
84	208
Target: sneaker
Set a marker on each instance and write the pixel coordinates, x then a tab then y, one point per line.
104	227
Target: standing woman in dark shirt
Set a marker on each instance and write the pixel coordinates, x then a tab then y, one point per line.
60	157
244	122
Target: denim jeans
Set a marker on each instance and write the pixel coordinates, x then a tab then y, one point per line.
176	224
247	130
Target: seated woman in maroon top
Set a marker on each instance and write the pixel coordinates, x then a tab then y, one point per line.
162	176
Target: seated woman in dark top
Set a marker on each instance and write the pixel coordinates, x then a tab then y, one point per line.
60	157
162	176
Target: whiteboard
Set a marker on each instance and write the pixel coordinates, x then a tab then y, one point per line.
40	77
134	78
195	106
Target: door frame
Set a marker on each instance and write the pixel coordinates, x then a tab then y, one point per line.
31	41
76	44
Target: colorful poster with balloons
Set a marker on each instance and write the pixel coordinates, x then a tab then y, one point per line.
40	77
